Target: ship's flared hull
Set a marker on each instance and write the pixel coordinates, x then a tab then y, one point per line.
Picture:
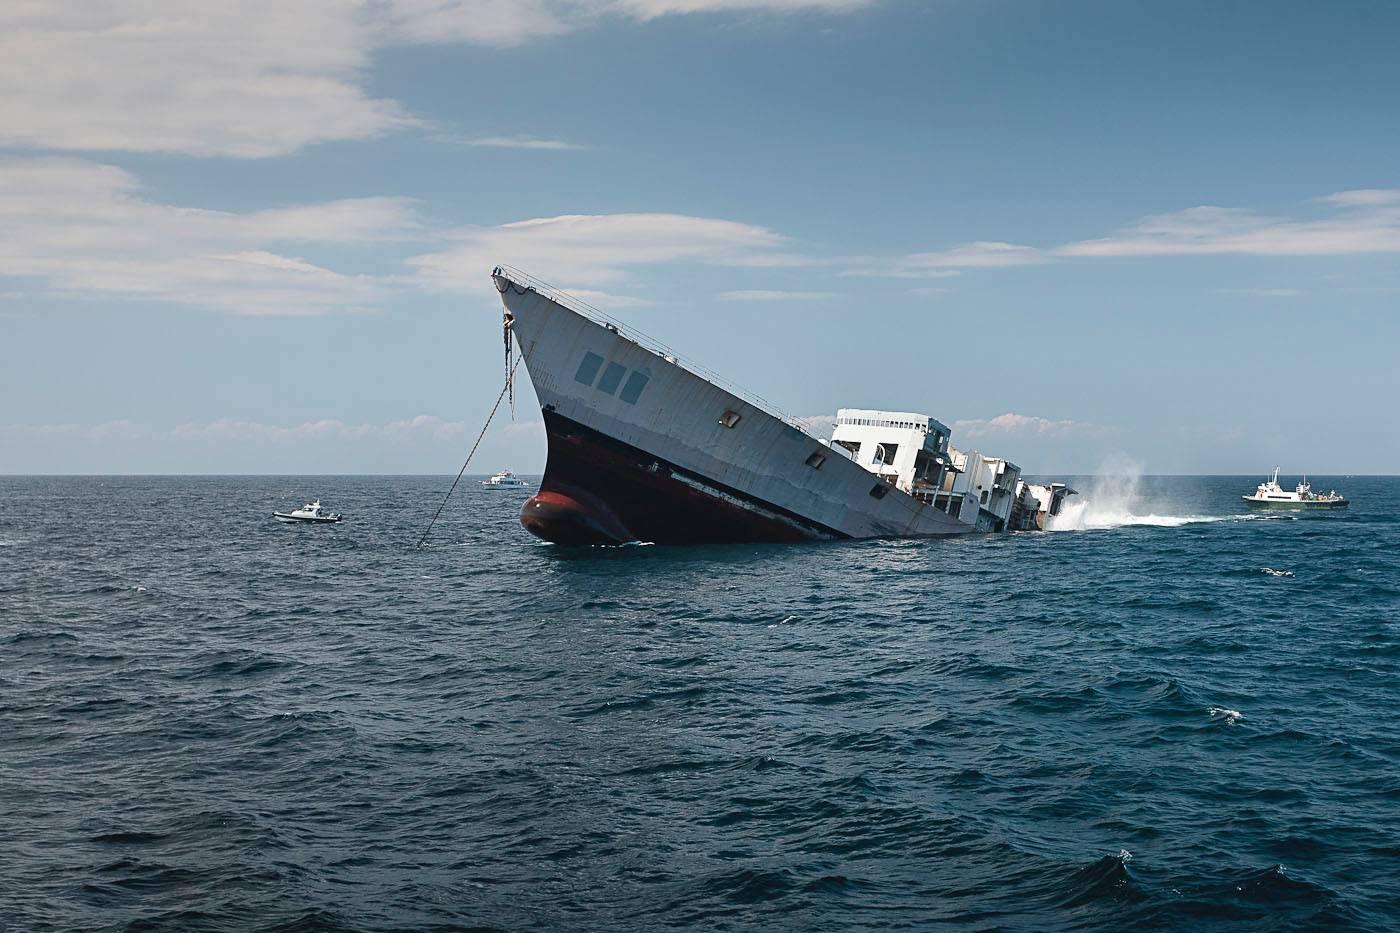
599	490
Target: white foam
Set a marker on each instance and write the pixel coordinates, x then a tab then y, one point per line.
1278	573
1088	516
1113	501
1225	715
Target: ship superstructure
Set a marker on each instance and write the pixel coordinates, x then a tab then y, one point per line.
645	448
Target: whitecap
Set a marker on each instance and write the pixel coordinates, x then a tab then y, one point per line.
1278	573
1225	715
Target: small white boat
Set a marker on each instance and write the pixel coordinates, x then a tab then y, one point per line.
1270	495
311	512
504	478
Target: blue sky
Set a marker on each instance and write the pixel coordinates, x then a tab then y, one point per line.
256	237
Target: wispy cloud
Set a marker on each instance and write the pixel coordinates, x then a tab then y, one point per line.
512	22
765	294
259	78
1363	197
1366	221
86	228
1011	423
949	262
525	142
817	425
1263	292
232	429
250	79
316	445
596	249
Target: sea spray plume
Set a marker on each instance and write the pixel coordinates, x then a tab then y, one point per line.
1112	499
1109	500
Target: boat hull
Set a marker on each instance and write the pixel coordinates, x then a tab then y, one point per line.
298	519
1281	505
599	490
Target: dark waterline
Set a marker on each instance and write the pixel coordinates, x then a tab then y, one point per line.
214	721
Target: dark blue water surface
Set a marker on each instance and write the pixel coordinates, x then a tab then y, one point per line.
212	721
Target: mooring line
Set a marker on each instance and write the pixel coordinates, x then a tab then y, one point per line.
510	378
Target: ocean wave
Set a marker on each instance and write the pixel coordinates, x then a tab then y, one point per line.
1224	714
1106	879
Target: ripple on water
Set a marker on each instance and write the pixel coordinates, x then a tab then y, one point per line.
264	729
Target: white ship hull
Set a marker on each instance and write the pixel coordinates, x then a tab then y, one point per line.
637	450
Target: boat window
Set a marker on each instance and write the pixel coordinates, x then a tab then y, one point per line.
730	418
588	369
815	461
612	377
636	382
984	497
878	491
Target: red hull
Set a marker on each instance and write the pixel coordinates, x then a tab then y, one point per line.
598	490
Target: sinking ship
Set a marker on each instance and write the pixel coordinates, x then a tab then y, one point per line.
644	446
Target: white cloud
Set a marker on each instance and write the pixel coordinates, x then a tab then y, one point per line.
817	425
1011	423
602	300
511	22
249	79
320	445
1363	197
230	429
1263	292
595	250
1362	222
255	78
524	142
949	262
765	294
85	227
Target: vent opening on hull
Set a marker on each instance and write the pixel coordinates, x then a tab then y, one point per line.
730	418
815	461
878	491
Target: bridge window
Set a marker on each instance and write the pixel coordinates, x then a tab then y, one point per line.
588	369
612	376
633	388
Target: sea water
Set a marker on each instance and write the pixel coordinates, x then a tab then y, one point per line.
1169	714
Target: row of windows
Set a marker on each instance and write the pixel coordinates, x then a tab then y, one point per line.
612	377
881	423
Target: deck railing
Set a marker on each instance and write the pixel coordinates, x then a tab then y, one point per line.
579	306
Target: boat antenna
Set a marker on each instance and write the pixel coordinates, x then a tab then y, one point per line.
510	376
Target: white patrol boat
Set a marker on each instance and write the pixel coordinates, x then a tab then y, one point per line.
311	512
1270	495
504	478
